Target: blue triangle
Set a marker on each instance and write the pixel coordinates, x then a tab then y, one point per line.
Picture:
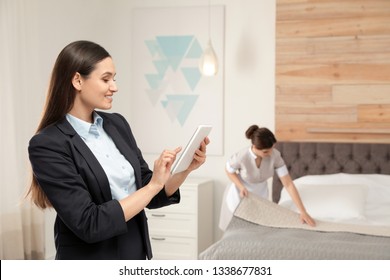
195	50
174	48
184	102
152	46
192	75
154	80
175	62
161	66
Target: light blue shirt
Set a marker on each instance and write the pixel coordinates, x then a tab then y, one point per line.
119	171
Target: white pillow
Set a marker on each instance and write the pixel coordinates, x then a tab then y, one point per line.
331	201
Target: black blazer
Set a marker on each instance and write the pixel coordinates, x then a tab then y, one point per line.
89	223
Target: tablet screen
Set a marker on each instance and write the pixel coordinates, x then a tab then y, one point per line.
187	155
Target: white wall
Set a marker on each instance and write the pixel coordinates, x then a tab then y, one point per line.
249	87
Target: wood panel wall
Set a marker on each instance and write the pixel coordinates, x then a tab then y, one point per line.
333	70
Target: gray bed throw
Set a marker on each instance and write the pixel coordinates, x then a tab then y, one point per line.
262	230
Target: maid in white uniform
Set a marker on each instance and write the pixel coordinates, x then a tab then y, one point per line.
250	168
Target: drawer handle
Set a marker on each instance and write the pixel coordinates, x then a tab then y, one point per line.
158	238
158	215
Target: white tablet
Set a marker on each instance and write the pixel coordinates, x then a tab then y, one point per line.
187	155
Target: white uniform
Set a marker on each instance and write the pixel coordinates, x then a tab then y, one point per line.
254	178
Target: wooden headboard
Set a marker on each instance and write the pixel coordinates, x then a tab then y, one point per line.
310	158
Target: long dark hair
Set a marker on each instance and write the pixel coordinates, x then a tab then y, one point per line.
261	137
77	57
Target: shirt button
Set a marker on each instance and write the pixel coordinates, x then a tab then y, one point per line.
107	156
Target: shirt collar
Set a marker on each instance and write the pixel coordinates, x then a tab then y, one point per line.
98	120
252	153
82	127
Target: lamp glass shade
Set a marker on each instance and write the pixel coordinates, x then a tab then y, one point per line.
208	63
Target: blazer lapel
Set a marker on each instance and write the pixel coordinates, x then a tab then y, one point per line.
89	157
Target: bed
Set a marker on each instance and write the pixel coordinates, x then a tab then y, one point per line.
345	187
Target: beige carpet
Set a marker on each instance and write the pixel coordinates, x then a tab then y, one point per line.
261	211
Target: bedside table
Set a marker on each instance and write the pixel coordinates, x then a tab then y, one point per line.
182	231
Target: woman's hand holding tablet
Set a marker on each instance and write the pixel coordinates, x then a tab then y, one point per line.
187	155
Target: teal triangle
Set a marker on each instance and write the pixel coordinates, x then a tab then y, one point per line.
174	45
174	48
152	46
192	76
181	105
175	62
154	80
161	66
195	50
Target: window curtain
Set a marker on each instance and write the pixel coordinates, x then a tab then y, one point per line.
21	224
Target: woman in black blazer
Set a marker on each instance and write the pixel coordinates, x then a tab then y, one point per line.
74	154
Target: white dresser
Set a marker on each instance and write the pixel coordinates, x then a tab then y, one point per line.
182	231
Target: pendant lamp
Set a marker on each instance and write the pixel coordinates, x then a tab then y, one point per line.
208	64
